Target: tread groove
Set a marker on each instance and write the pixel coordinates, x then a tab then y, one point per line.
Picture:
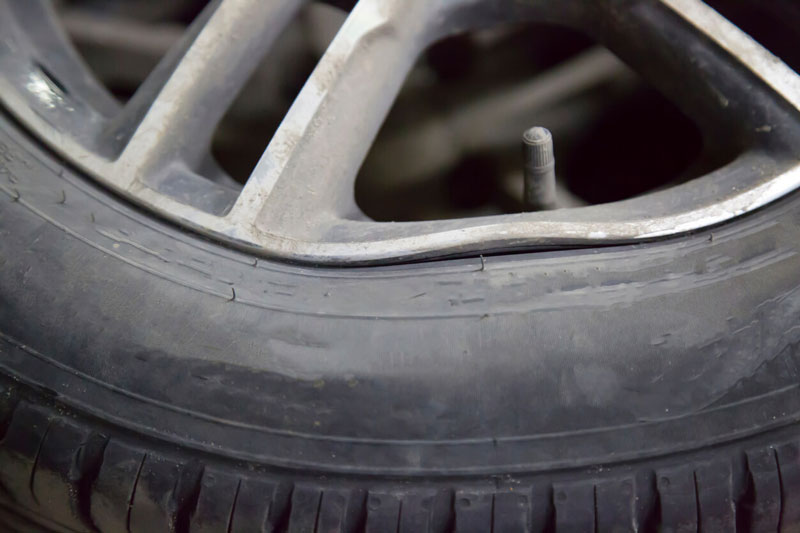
36	461
133	493
491	516
450	522
652	512
739	492
780	488
319	508
88	465
697	501
399	515
282	516
360	524
7	407
233	506
550	526
184	498
743	512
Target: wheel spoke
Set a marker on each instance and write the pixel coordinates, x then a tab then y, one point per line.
310	164
747	51
136	44
174	113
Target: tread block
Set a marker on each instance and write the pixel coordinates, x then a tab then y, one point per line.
304	509
761	507
383	512
214	502
574	506
164	495
20	449
11	522
113	489
51	464
261	506
473	511
717	509
427	511
788	457
69	460
341	511
617	505
678	500
150	509
512	511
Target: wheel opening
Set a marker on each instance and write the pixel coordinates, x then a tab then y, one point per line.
138	34
451	146
122	41
246	129
774	24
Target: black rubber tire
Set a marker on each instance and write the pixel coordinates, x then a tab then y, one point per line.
153	381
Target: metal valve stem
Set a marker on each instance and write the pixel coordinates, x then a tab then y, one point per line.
540	169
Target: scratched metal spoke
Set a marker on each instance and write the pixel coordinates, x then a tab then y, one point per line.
312	160
174	113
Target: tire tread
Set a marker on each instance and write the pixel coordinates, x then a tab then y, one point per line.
57	464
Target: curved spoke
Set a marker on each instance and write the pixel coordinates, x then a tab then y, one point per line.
174	113
310	164
755	57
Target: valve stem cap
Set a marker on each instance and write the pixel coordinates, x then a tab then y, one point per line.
538	147
539	166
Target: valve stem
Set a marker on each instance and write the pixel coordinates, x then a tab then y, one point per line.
540	169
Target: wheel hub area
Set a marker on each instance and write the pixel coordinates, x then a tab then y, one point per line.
299	203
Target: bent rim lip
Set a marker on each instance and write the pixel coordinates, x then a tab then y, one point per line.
271	218
738	260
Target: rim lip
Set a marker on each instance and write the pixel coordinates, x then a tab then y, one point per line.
395	242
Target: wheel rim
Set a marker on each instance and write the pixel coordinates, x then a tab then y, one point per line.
298	203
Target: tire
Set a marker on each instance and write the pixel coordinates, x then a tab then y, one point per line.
155	381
